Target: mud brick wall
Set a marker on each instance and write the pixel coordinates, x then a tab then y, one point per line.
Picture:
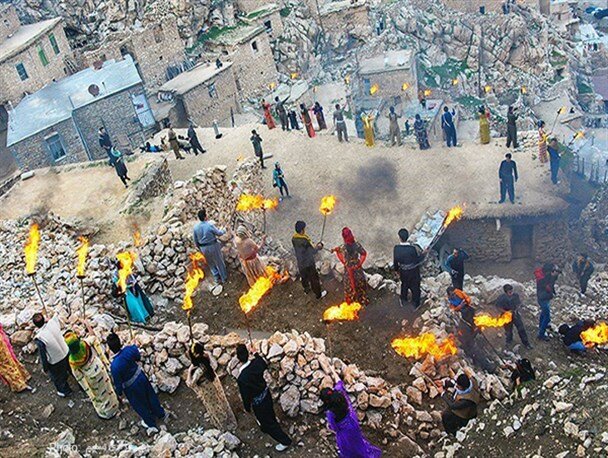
481	240
551	242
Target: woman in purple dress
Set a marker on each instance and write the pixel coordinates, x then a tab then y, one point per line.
342	419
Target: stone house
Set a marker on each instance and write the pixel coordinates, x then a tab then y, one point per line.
493	6
248	48
392	74
59	123
204	94
157	50
267	16
350	17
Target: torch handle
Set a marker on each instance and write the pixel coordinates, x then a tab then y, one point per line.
190	328
39	295
323	229
128	317
84	305
264	218
248	329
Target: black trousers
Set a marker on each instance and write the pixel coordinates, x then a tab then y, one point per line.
59	374
452	423
410	281
284	121
283	187
310	280
264	412
512	136
521	330
583	282
507	186
196	146
458	280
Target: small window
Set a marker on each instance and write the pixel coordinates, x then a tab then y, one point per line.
254	46
22	72
42	55
268	26
54	43
212	91
159	34
55	147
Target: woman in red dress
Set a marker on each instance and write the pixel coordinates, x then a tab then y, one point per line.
268	115
307	120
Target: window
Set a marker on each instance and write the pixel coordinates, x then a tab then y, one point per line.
254	46
212	91
54	43
268	26
53	143
22	72
159	35
42	55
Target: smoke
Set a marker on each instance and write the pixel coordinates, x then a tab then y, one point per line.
374	182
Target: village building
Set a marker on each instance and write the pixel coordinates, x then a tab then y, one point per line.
392	74
248	48
59	124
346	15
494	6
205	94
562	13
268	16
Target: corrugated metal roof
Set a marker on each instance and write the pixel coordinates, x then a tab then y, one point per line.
56	101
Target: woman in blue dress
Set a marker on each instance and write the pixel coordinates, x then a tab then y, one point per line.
139	306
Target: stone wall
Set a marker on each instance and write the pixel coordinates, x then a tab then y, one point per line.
472	6
353	22
391	83
155	181
32	153
9	21
12	87
551	242
247	6
480	239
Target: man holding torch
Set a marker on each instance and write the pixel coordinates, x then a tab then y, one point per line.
305	257
205	239
53	352
407	259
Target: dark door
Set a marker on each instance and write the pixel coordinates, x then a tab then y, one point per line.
521	241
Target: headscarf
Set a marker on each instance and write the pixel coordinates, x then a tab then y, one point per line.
347	235
241	231
79	350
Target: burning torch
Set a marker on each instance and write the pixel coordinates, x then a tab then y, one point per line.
194	277
248	202
454	214
82	252
418	347
250	300
596	335
31	256
342	312
327	206
560	112
126	260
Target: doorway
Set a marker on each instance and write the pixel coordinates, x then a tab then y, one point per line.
522	241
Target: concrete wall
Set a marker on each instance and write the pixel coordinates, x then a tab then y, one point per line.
9	21
12	87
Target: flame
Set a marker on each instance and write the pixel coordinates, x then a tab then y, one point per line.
524	90
194	277
562	110
342	312
137	239
427	92
126	258
294	75
272	85
262	285
248	202
31	249
454	214
419	346
82	251
327	204
487	321
455	82
487	88
347	79
405	86
579	134
374	89
596	335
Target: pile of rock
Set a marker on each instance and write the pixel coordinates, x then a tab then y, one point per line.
155	181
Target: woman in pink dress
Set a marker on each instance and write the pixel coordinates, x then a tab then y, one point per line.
310	130
268	115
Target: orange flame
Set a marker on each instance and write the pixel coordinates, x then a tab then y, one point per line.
524	90
579	134
562	110
487	88
419	346
347	79
455	82
294	75
374	89
262	285
194	277
137	241
405	86
31	249
327	204
82	251
342	312
454	214
487	321
126	258
248	202
596	335
427	92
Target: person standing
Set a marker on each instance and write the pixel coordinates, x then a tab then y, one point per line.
583	269
462	406
394	130
454	264
421	134
92	376
194	141
139	307
484	125
343	421
512	128
310	130
340	124
130	379
268	115
174	143
104	140
447	123
257	398
53	352
282	112
509	301
12	372
368	129
293	119
207	386
352	256
248	250
507	174
278	180
305	258
117	161
407	127
317	109
554	159
542	142
205	239
256	141
546	276
407	259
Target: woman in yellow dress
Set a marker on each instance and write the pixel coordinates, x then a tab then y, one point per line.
542	142
12	372
368	129
484	125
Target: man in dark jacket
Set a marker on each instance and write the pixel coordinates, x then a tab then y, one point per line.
462	405
507	173
509	301
256	396
282	112
545	291
512	128
256	141
571	335
407	259
104	140
194	141
454	264
305	257
554	159
583	268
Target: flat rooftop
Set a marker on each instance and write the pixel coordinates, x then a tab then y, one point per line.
262	12
25	36
231	36
186	81
341	5
386	62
